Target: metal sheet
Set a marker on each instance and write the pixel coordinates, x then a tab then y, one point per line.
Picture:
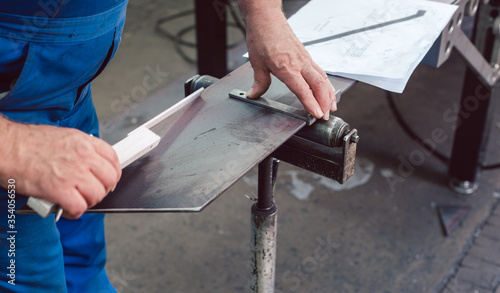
206	147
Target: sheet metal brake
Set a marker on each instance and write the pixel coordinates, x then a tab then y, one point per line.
211	141
313	147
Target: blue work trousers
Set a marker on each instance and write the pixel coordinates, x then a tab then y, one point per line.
47	65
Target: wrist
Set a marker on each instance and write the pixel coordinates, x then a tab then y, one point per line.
257	11
8	145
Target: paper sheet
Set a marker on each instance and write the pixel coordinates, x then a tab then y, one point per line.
379	42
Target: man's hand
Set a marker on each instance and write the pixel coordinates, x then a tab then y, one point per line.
274	48
62	165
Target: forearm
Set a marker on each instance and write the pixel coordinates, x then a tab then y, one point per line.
250	8
9	132
258	13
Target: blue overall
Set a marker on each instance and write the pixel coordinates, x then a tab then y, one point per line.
47	62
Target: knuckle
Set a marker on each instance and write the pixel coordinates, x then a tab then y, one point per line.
110	151
84	148
81	209
76	211
286	68
304	89
102	193
99	194
112	176
261	77
114	155
103	147
93	202
320	82
258	81
95	198
70	216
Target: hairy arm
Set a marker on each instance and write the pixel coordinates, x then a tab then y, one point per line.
62	165
274	48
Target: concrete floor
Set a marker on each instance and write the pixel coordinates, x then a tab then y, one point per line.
374	236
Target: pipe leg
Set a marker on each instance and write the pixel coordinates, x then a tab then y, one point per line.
471	136
211	37
264	230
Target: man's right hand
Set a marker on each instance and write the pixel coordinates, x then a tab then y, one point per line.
62	165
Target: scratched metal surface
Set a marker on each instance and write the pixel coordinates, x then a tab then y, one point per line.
205	148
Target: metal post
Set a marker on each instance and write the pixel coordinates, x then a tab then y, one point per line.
264	230
474	119
211	37
471	135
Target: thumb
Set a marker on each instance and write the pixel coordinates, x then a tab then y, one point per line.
262	81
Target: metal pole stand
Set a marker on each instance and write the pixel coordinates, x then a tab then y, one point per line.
480	87
211	37
264	230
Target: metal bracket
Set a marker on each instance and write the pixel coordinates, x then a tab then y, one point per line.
274	106
320	159
474	54
475	59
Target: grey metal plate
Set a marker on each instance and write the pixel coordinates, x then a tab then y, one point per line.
205	148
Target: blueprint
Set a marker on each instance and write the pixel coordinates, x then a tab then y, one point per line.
379	42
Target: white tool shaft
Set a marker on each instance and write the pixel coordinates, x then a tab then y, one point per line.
165	114
135	145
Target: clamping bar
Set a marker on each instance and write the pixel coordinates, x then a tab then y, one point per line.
327	148
274	106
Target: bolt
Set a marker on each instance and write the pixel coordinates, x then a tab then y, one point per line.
471	7
355	138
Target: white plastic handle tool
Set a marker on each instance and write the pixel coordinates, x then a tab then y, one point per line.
135	145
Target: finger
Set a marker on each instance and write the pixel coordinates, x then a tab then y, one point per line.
91	189
262	81
72	204
331	89
320	86
108	153
105	172
334	102
297	84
